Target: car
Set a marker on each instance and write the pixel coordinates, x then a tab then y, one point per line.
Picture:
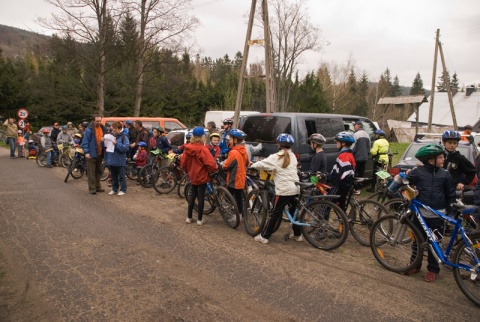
178	137
408	160
38	135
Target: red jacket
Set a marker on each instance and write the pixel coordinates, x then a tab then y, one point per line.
236	167
198	162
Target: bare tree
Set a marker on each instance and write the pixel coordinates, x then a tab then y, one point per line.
162	23
86	21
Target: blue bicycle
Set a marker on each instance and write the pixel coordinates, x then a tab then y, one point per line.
398	244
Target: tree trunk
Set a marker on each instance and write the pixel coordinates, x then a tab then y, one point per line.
138	87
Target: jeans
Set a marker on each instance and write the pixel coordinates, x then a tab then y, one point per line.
118	176
12	142
50	156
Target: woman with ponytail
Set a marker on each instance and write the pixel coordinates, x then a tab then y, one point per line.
283	164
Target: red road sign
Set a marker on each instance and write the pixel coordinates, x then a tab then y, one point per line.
22	113
21	124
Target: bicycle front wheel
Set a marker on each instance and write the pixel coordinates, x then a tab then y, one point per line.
468	280
41	159
328	228
165	180
105	172
65	160
255	213
362	217
208	204
227	207
396	244
77	169
131	171
145	176
181	186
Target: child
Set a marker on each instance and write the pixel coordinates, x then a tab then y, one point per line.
462	171
181	148
213	146
197	162
343	171
236	165
32	149
21	144
47	145
318	163
141	155
436	190
284	166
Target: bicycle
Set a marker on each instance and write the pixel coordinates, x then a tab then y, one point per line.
78	166
167	178
64	155
146	174
258	203
398	245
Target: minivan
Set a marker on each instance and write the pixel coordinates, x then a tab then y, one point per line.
168	123
266	127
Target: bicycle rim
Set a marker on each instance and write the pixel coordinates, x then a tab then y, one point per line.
328	228
105	172
255	213
181	186
227	207
131	172
468	282
165	180
77	165
208	204
41	160
391	246
145	176
361	219
65	161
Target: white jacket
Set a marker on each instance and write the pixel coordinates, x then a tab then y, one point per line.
284	178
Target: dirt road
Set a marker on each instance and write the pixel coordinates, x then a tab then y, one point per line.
66	255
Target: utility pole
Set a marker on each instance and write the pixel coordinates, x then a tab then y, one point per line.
430	112
449	90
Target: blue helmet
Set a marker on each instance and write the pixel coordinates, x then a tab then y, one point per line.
379	132
345	137
285	139
141	143
239	134
451	135
198	131
189	134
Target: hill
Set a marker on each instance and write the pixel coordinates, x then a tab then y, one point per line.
17	42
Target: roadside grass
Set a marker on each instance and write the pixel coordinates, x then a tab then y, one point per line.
3	144
398	149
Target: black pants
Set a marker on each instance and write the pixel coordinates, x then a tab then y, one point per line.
359	172
197	192
436	225
238	195
280	203
377	166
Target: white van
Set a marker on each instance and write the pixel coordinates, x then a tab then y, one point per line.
219	116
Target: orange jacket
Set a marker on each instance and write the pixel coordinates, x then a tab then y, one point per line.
236	167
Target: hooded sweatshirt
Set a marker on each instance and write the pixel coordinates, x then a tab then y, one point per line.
198	162
236	167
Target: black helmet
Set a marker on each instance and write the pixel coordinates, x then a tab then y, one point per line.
317	138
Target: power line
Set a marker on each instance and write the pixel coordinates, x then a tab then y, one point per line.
204	4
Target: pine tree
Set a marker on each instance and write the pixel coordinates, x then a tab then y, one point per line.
442	87
454	82
395	89
417	86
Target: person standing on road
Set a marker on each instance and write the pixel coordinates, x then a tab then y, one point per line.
92	145
318	162
132	137
11	131
212	128
460	168
227	126
117	160
46	142
142	135
379	152
361	150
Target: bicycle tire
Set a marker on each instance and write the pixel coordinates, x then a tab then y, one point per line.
255	214
396	205
181	185
165	180
145	176
361	219
227	206
468	283
328	228
70	170
41	159
208	205
381	197
397	256
105	172
131	171
65	160
80	170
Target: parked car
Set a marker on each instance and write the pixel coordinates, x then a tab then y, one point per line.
178	137
38	135
168	123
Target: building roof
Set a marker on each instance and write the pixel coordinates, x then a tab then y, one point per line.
467	109
399	100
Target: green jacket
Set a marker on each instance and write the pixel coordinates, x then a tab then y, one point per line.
10	129
379	150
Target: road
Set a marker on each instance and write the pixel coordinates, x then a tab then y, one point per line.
66	255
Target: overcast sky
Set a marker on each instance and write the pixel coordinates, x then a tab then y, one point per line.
377	34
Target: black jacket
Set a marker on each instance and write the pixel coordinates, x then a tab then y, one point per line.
435	186
461	170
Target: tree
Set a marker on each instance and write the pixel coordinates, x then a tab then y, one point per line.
417	86
361	107
442	85
395	89
454	83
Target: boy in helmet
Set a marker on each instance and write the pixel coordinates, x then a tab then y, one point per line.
379	152
436	190
318	163
462	171
227	126
47	145
213	145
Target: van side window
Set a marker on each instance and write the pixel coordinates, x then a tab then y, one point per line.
170	126
328	127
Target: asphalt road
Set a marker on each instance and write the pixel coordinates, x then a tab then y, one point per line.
66	255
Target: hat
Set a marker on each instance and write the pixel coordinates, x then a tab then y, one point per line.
69	123
198	131
19	131
64	127
55	124
128	122
358	123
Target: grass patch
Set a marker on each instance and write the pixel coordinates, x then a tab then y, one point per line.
398	149
3	144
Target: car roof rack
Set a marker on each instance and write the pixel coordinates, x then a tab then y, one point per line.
431	136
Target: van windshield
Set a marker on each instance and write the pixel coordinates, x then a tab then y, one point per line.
266	128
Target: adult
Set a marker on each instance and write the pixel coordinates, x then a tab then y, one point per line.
92	144
71	130
117	159
460	168
379	152
467	133
11	131
132	137
227	126
212	128
142	135
361	150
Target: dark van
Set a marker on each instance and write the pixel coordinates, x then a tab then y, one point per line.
266	127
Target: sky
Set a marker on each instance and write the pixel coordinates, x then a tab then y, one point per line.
374	34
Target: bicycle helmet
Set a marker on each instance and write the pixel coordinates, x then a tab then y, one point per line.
345	137
317	138
160	129
198	131
379	132
215	134
451	135
239	134
78	135
429	151
189	135
285	139
228	121
141	143
19	132
45	131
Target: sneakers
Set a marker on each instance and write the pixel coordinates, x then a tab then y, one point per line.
413	271
297	238
356	192
121	193
189	220
112	192
430	277
260	239
201	222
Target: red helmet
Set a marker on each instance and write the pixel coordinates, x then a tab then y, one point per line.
45	131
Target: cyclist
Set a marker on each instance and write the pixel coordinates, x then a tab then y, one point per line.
63	137
236	166
213	145
462	171
47	145
436	190
197	162
141	156
284	166
318	163
227	126
181	148
343	171
379	152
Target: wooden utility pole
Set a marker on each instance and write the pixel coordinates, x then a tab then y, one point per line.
449	90
269	74
430	112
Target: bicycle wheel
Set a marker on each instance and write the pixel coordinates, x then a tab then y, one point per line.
41	159
361	219
131	171
396	206
181	185
105	172
208	205
391	246
165	180
77	169
65	160
468	280
227	207
255	213
70	170
328	228
145	176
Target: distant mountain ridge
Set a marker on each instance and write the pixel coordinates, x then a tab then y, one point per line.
18	42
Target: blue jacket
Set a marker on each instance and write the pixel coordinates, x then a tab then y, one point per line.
223	143
163	144
89	142
118	158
